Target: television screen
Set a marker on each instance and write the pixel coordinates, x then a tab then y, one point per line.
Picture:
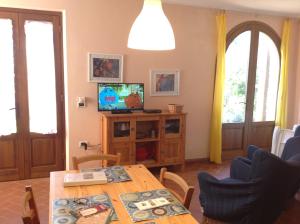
120	96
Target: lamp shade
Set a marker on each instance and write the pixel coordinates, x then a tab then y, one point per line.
151	30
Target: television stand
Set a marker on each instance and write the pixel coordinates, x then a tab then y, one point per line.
121	112
154	140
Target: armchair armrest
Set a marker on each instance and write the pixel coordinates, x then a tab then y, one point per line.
227	200
240	168
251	150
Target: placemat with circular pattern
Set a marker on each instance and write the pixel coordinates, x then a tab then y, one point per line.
66	210
114	174
174	208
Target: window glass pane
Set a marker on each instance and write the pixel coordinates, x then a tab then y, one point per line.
237	63
7	79
41	76
267	75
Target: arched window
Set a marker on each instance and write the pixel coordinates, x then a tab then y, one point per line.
251	84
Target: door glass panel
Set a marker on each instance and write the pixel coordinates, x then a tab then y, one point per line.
121	129
41	77
235	92
267	77
172	126
7	79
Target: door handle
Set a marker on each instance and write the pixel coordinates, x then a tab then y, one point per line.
242	103
12	108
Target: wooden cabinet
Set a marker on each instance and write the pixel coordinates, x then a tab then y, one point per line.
150	139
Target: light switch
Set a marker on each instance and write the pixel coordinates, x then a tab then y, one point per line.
81	102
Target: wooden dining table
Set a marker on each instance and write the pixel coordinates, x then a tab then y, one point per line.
142	180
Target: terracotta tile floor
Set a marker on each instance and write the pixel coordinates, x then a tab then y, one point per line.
11	195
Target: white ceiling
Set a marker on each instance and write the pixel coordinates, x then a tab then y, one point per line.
279	7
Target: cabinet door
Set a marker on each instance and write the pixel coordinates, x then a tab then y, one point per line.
126	150
170	151
172	126
122	130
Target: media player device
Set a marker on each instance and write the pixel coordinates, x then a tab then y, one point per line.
152	111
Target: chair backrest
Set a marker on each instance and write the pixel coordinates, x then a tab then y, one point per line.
291	148
103	157
188	190
296	130
280	136
30	213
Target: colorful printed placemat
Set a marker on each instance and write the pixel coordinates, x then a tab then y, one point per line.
174	208
66	211
114	174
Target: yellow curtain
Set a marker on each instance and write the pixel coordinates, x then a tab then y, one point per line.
281	110
215	141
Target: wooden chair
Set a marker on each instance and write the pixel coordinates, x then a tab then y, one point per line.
103	157
30	213
188	190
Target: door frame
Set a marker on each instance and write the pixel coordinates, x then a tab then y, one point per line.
255	27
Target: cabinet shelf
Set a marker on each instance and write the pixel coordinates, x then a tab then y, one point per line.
147	140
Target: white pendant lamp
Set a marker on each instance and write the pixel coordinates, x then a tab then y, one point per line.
151	30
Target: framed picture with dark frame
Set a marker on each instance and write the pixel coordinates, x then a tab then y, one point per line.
164	82
105	68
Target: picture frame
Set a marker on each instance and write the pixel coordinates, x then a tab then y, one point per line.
105	68
164	82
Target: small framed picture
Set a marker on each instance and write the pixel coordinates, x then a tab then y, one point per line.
105	68
164	82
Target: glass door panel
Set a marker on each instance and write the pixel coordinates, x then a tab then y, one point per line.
267	77
235	92
41	77
7	79
121	129
172	126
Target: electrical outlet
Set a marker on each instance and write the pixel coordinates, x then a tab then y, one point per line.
83	144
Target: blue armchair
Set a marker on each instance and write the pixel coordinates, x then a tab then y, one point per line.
291	148
253	194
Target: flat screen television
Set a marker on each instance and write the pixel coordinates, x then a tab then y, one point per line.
120	96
